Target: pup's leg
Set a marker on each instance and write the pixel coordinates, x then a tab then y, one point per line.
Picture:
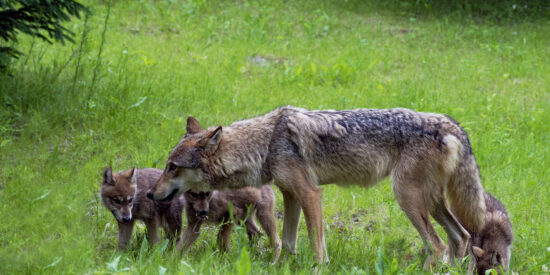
125	233
153	234
224	234
269	224
190	234
252	229
292	212
411	197
172	230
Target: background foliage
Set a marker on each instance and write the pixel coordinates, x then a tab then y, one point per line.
38	18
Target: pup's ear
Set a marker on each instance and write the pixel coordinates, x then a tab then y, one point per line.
108	176
134	175
192	125
128	174
478	251
212	140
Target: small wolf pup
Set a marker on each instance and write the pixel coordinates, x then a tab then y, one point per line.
213	207
491	246
124	194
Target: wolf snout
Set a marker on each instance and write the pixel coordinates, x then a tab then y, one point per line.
150	195
126	219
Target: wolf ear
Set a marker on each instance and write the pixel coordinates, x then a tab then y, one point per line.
133	174
212	140
192	125
478	252
129	174
108	176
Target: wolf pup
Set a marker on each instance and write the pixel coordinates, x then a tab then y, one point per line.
213	207
428	156
124	193
491	246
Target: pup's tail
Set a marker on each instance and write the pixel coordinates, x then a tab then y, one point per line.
464	189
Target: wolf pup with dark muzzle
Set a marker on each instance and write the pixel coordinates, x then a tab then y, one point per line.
124	194
213	208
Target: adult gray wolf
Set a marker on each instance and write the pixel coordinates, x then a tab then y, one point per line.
428	156
213	207
491	245
124	194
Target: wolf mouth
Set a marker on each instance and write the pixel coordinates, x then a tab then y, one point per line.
170	196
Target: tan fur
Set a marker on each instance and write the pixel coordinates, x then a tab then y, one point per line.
213	207
123	194
428	156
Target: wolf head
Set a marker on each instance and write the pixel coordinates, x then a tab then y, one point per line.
200	202
117	193
490	259
491	250
184	168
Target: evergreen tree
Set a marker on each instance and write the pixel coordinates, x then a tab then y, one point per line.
39	18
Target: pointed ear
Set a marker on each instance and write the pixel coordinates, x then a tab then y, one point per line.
129	174
212	140
192	125
478	252
108	176
133	174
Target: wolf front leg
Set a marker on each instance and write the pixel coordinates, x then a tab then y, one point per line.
301	188
124	233
310	200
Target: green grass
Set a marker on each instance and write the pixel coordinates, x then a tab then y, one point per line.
65	114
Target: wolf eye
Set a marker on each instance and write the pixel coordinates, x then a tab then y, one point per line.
194	195
117	201
130	200
171	167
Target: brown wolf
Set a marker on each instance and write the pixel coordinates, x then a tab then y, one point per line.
491	246
124	194
428	156
213	207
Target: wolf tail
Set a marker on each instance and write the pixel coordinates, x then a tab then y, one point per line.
464	188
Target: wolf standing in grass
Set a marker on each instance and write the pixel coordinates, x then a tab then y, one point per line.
428	156
124	193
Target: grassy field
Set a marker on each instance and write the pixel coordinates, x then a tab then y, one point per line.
120	95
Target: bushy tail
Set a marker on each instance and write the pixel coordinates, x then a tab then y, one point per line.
464	188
